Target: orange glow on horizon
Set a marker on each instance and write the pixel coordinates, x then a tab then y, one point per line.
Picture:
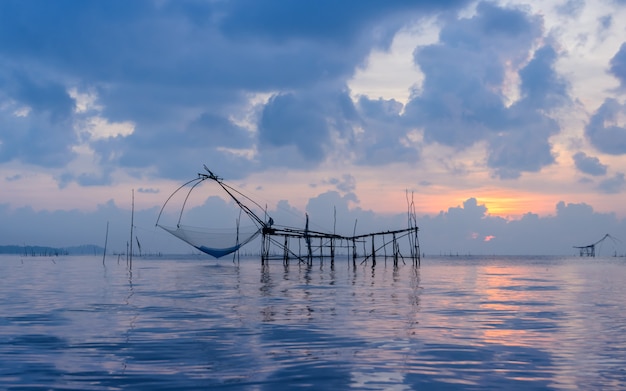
508	204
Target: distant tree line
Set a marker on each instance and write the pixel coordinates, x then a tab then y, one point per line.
46	251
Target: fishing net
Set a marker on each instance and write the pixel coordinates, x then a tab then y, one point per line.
215	242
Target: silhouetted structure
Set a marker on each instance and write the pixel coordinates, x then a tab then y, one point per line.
590	250
280	242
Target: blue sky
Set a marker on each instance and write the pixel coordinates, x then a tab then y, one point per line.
505	119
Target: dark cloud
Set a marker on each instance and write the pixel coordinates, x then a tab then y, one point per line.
211	129
148	190
174	68
328	21
457	104
613	185
602	131
524	144
35	125
307	121
180	71
345	184
589	164
383	137
34	139
618	65
541	87
523	148
42	96
86	179
461	102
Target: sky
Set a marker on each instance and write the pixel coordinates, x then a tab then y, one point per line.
503	121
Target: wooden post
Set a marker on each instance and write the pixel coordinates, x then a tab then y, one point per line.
286	251
308	241
263	245
353	253
332	251
373	252
395	251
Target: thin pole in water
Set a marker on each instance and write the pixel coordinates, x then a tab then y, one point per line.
132	222
106	239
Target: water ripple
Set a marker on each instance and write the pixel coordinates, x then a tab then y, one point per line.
184	324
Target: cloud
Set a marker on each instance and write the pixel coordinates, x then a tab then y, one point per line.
327	21
156	88
605	22
186	107
603	131
618	65
345	184
542	88
323	208
173	69
382	136
41	96
571	7
613	185
469	229
33	139
522	149
34	119
148	190
589	164
464	229
212	128
305	121
462	100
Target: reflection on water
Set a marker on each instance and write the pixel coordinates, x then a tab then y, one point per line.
529	323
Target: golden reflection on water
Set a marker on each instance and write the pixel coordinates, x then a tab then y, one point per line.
502	292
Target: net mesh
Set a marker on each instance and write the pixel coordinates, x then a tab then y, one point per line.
215	242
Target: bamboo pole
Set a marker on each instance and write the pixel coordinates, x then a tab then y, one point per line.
132	223
106	239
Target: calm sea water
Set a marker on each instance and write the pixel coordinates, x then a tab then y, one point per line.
197	323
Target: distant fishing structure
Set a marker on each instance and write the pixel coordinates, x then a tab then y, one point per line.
286	243
590	250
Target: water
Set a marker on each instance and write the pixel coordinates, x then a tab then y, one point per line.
195	323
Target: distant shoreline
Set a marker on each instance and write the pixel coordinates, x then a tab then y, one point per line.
27	250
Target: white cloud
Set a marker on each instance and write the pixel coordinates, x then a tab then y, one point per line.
100	128
22	111
85	101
